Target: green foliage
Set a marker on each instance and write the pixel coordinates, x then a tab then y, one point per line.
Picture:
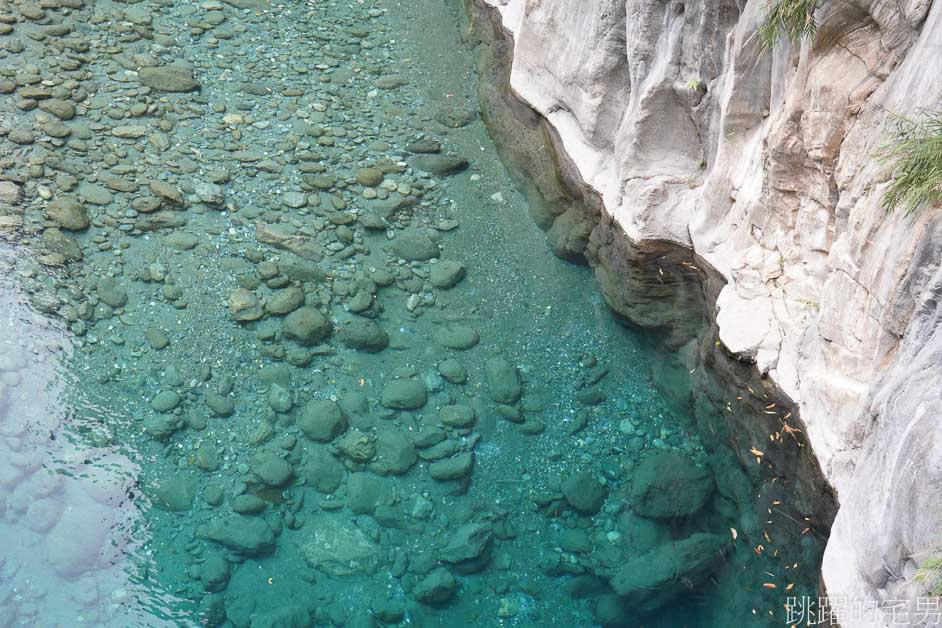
930	574
915	152
789	19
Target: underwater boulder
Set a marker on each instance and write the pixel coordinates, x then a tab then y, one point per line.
650	581
668	485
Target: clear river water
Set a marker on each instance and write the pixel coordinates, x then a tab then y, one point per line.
281	345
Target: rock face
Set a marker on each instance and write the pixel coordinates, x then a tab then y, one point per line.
762	162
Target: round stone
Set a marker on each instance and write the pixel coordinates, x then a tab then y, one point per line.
307	326
322	420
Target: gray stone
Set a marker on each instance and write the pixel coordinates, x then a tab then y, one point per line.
365	492
244	306
357	446
370	177
165	401
365	335
439	165
214	573
62	109
446	274
457	416
395	453
221	405
279	399
271	469
285	301
322	420
323	472
162	426
452	468
650	581
248	505
68	213
157	339
669	484
249	535
307	326
453	371
503	381
436	588
468	542
584	492
415	245
95	194
404	394
457	336
174	493
110	292
169	78
337	548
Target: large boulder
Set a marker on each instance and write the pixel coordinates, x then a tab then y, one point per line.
249	535
668	485
307	326
650	581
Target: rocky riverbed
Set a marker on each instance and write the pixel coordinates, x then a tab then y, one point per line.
284	348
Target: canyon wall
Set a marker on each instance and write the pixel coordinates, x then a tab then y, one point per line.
764	163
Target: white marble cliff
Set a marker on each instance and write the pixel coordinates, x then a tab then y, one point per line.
764	163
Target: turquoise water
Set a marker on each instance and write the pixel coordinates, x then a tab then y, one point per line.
259	367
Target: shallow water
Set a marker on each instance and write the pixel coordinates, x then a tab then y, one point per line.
137	412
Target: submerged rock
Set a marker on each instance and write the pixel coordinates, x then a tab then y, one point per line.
652	580
170	78
446	274
249	535
414	245
244	306
452	468
503	381
307	326
436	588
365	335
271	469
467	543
338	548
668	485
322	420
404	394
68	213
395	453
457	336
438	164
584	492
